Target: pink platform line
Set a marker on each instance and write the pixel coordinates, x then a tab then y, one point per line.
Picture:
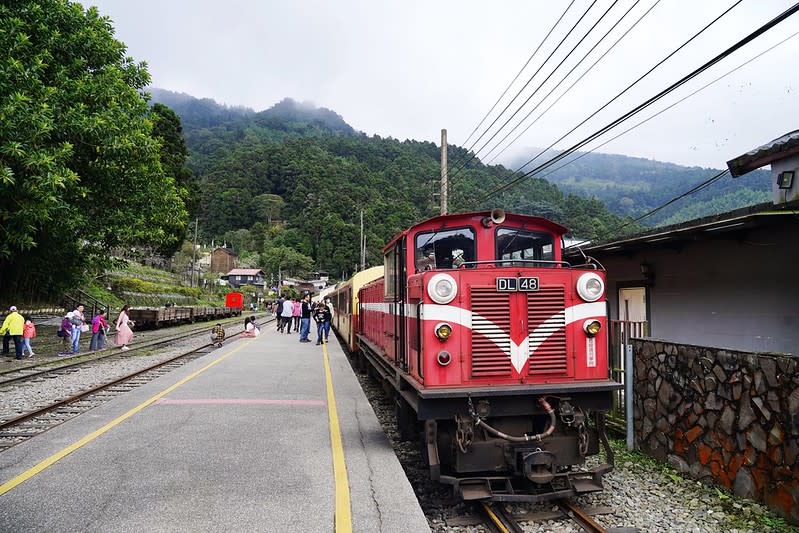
235	401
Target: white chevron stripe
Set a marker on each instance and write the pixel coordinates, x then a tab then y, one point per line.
518	353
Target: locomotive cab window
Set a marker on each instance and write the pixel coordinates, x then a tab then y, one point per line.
518	247
444	249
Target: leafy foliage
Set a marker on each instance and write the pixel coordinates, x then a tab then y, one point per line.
80	172
298	178
632	186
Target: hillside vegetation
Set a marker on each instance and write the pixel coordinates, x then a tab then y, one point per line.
632	186
308	170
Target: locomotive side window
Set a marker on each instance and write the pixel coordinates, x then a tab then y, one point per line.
449	248
390	269
518	247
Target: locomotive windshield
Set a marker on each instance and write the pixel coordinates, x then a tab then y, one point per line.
524	246
444	249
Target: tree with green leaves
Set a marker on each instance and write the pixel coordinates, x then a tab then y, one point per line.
80	170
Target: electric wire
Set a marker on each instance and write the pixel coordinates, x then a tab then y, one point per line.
633	84
557	85
520	72
707	183
568	54
583	154
589	69
469	150
764	28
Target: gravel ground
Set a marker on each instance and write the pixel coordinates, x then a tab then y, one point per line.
643	494
17	399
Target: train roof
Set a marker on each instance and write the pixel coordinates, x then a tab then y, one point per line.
476	217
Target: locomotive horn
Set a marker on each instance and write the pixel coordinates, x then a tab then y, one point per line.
497	217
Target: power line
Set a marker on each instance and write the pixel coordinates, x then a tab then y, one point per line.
580	62
589	69
520	72
633	84
653	99
569	53
472	156
583	154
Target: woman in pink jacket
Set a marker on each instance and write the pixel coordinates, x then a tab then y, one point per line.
28	333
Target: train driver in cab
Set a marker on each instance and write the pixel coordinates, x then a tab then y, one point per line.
427	261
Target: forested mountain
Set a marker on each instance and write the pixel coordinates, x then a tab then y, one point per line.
632	186
308	169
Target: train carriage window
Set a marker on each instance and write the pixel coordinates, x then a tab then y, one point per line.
390	269
518	247
443	249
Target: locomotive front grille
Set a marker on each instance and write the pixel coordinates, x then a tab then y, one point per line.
546	322
490	337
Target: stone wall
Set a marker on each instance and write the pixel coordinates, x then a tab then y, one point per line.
726	417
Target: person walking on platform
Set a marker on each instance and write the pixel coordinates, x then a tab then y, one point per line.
322	317
13	325
66	335
287	314
305	318
124	333
78	326
99	327
278	313
295	314
28	333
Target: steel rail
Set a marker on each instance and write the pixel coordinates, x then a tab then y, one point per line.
5	425
498	519
57	365
580	517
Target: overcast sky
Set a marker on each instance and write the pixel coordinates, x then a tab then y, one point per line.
408	68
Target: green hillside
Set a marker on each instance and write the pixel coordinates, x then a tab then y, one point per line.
308	170
632	186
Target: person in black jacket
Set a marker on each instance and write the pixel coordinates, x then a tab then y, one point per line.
322	317
305	318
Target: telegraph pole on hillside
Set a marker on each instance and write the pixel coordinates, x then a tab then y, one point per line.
194	255
363	245
443	171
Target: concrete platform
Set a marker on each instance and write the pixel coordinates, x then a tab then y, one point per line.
239	440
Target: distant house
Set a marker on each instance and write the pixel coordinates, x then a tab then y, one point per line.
245	276
223	259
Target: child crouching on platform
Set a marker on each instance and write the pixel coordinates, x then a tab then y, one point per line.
217	335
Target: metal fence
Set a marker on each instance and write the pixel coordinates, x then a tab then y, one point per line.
618	340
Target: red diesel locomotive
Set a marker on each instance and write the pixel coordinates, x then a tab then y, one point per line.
496	351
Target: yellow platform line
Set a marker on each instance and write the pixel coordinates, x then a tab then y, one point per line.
10	484
343	513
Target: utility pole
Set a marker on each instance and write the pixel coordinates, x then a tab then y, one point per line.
363	245
443	171
194	256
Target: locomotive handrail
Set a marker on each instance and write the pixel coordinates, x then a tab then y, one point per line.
533	261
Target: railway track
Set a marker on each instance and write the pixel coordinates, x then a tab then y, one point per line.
39	420
495	517
54	367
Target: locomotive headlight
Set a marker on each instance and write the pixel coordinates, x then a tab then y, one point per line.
590	287
442	288
443	331
592	327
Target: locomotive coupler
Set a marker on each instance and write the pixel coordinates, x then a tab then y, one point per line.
539	466
566	413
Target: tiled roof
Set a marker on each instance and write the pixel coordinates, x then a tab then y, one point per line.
779	148
245	272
